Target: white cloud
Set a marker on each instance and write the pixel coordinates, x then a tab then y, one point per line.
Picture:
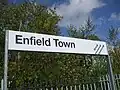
114	16
76	11
100	21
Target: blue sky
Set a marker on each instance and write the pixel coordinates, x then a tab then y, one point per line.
104	13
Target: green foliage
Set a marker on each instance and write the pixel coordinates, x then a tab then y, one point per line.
115	55
114	44
33	18
99	66
85	31
94	66
25	66
36	67
113	35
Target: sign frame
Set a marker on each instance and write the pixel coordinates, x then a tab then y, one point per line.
25	41
110	72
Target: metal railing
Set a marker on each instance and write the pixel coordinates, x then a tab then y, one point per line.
102	84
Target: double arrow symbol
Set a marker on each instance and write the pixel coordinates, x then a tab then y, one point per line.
98	48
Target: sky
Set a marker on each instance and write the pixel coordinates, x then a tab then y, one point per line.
104	13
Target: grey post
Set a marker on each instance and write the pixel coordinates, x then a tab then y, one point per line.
2	84
5	62
110	72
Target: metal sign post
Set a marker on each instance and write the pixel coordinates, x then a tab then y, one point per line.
2	84
5	62
24	41
110	72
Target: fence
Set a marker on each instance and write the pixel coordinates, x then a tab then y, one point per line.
102	84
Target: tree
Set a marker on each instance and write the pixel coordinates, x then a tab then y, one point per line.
113	36
32	68
85	65
114	48
115	55
3	2
85	31
27	17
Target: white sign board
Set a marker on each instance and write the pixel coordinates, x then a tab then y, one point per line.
49	43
